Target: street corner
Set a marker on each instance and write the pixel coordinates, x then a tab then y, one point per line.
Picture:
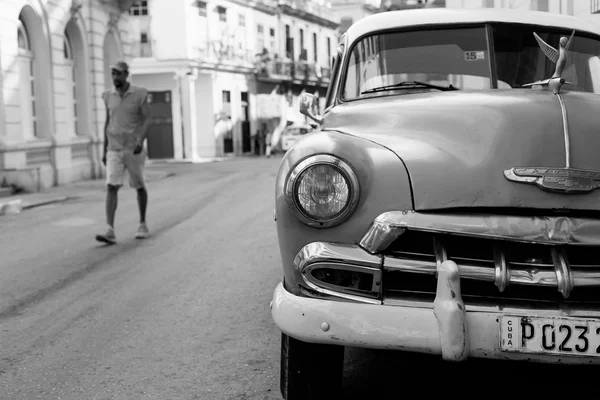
11	207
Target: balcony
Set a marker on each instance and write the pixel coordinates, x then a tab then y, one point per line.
215	52
280	70
143	49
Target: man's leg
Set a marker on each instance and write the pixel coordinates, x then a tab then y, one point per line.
111	204
135	166
115	170
142	199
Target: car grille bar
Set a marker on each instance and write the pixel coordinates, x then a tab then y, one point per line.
563	254
502	273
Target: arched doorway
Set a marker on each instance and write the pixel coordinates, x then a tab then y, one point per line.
112	54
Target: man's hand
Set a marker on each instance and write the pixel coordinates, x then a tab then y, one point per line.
138	147
104	159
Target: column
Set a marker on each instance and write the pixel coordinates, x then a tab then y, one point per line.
187	81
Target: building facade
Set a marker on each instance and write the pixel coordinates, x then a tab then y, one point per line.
585	9
350	11
206	74
54	57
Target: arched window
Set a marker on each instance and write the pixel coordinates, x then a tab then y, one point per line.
26	82
71	81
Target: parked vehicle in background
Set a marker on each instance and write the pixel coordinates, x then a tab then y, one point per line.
449	203
292	133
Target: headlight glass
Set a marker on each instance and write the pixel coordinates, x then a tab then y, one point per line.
322	190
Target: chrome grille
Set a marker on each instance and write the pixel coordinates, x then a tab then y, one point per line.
492	269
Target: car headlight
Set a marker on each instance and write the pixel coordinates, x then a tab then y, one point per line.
322	191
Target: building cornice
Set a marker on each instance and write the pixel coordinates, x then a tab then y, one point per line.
257	5
306	16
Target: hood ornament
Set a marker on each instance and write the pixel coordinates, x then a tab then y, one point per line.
559	57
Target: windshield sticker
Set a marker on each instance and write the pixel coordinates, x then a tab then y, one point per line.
474	55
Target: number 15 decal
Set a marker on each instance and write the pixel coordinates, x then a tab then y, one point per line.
474	55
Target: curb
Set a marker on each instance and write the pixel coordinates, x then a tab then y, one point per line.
14	207
40	203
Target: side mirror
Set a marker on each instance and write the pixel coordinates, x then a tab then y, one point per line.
308	107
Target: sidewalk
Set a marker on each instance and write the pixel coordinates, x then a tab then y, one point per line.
18	203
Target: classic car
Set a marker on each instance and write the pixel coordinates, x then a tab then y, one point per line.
447	202
292	133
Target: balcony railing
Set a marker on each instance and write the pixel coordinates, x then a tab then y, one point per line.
287	70
595	6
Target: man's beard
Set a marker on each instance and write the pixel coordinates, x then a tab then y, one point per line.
118	84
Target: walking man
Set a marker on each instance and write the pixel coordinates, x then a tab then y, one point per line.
126	128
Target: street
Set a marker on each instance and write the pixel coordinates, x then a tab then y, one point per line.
181	315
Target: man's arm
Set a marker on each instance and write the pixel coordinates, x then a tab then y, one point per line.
106	121
145	113
106	130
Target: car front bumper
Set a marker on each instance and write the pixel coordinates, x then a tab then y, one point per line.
443	329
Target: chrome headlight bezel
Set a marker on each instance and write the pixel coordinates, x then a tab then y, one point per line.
344	168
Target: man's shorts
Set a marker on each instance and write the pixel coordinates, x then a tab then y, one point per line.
117	162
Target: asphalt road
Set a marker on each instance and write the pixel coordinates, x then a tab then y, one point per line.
185	313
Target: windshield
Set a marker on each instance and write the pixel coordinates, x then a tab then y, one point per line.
461	57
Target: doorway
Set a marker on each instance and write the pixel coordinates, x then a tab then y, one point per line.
160	134
246	140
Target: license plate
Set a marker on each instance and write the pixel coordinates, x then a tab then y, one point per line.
558	336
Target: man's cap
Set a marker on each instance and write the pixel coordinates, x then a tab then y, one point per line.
120	66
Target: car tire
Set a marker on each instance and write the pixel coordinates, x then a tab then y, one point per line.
310	371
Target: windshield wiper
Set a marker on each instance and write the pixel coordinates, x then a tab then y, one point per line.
407	84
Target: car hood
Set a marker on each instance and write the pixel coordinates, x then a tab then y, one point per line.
457	145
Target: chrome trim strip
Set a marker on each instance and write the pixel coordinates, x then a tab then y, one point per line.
346	296
563	109
335	252
405	265
440	253
375	272
544	230
380	235
501	271
341	256
564	275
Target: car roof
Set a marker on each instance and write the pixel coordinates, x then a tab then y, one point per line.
449	16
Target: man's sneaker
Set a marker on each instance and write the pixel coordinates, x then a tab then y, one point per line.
142	232
109	237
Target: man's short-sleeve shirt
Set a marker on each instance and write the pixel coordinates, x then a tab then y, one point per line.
125	116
